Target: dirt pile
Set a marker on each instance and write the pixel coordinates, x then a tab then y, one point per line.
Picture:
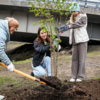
54	80
26	51
87	90
21	53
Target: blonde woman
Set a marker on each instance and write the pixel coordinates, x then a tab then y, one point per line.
7	27
78	38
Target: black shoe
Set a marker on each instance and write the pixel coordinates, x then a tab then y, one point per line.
32	74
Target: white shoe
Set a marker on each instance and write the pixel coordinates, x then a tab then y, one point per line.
1	97
78	80
72	80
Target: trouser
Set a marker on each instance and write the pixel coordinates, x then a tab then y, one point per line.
78	69
40	71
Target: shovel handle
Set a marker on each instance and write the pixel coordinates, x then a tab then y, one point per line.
3	65
23	74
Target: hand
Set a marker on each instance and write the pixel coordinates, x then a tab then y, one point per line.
59	48
10	67
70	26
64	28
57	29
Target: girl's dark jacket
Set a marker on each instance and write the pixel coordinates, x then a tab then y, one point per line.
40	51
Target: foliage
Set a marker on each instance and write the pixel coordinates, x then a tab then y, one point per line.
48	10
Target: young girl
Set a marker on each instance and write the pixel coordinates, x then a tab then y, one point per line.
41	58
78	38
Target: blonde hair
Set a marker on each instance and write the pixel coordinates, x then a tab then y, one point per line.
74	18
12	22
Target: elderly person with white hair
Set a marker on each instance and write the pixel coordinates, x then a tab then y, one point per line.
7	27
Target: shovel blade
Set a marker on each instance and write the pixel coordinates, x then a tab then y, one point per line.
50	84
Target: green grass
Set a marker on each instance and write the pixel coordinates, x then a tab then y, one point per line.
1	68
97	78
17	85
63	57
94	53
10	45
4	80
91	54
62	83
67	62
22	61
37	84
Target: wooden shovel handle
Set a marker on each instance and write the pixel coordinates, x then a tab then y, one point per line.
3	65
23	74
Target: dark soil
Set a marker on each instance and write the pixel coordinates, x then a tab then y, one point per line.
21	53
54	80
87	90
26	51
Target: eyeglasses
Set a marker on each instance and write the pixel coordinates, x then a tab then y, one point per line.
15	28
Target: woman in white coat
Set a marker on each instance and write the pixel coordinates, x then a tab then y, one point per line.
78	38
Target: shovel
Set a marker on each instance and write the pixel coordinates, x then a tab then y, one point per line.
41	80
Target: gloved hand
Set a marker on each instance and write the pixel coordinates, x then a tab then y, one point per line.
59	48
64	28
57	29
10	67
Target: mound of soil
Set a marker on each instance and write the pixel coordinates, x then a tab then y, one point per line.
54	80
87	90
26	51
21	53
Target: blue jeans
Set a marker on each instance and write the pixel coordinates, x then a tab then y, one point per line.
40	71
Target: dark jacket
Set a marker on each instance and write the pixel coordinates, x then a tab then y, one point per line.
40	51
